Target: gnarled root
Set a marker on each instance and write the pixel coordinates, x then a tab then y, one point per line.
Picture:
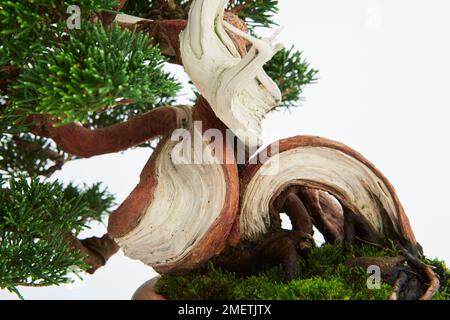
281	248
426	270
411	279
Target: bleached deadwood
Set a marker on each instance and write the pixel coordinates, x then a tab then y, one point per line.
181	212
237	88
319	163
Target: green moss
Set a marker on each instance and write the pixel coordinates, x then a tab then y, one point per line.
323	276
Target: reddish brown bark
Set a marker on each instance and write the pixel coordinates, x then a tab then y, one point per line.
80	141
97	251
290	203
276	248
333	213
240	43
164	33
300	219
331	231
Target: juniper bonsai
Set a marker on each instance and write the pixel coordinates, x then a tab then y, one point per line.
81	84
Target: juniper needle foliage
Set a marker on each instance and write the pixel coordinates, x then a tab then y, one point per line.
98	68
36	219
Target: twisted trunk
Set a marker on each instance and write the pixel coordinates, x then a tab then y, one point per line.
181	212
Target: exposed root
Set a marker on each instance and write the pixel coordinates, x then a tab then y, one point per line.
407	273
434	284
300	219
328	218
433	279
282	248
398	286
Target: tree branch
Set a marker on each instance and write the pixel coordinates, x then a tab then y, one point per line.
77	140
58	158
165	33
96	250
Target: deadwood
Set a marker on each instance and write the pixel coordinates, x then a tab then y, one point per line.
181	212
367	197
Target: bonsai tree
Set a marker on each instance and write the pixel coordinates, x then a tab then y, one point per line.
86	80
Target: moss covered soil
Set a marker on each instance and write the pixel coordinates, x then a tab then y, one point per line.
323	276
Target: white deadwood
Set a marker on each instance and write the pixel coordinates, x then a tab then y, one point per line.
180	213
237	88
330	166
176	219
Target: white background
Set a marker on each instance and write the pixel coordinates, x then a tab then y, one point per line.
383	90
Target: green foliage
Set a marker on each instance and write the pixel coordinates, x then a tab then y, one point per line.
323	276
10	121
98	201
36	219
138	8
26	154
96	69
256	13
291	73
26	25
74	75
4	56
